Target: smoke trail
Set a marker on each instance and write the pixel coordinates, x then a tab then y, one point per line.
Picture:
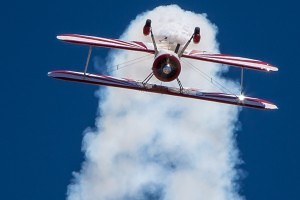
150	146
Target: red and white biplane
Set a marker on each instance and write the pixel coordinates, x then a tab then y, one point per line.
166	67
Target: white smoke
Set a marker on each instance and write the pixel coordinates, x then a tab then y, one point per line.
150	146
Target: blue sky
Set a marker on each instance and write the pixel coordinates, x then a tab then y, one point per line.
43	119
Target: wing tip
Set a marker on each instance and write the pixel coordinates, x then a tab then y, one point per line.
64	36
271	106
60	37
271	68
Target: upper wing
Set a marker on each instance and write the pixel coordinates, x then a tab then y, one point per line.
231	60
106	42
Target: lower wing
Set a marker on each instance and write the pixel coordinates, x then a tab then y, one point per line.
136	85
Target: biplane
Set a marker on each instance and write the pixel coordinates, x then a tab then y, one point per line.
166	67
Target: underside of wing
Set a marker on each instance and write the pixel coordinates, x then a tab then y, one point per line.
106	42
230	60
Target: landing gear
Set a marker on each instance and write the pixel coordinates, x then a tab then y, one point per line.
196	38
148	30
167	66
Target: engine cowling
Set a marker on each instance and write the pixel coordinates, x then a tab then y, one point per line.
166	66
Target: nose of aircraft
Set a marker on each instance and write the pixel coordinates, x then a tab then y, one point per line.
167	69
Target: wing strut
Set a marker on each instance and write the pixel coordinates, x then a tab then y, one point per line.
242	80
87	60
148	78
180	85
